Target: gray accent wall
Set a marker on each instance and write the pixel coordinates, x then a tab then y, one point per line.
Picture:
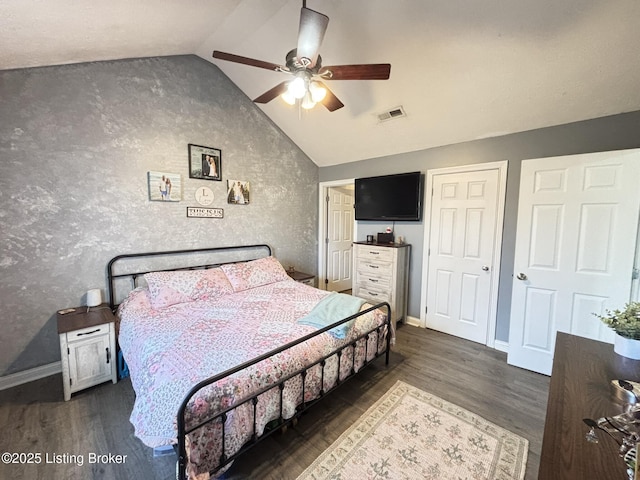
76	144
618	132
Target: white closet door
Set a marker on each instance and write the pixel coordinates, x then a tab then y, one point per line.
464	210
575	247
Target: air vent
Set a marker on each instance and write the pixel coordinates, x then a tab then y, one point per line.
396	112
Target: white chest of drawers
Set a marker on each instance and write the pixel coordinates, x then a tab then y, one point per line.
382	275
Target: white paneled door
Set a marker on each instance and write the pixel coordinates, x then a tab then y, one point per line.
462	257
339	238
575	247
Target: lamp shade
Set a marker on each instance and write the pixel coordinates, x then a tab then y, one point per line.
94	297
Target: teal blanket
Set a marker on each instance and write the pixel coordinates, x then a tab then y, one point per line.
331	309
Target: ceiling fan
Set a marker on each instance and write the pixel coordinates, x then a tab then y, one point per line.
305	64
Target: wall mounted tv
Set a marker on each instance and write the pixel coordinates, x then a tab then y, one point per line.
389	197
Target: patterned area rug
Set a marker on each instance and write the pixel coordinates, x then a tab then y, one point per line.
411	434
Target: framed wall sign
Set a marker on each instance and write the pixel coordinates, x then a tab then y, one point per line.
200	212
205	163
204	196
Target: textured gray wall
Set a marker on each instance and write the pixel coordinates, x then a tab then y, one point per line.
76	143
616	132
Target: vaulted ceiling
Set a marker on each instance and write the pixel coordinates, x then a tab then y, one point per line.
461	70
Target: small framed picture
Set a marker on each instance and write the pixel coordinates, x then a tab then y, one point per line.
238	192
205	163
164	187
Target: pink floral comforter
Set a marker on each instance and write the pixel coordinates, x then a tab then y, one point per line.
171	349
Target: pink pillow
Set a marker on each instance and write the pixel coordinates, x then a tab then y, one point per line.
169	288
255	273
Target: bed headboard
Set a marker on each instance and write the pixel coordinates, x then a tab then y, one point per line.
124	271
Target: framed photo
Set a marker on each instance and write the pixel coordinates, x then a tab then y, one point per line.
164	187
238	192
205	163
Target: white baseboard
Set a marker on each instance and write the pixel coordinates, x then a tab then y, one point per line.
413	321
501	345
26	376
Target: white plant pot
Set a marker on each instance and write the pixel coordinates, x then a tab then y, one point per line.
627	347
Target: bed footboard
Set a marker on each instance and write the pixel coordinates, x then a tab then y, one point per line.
381	334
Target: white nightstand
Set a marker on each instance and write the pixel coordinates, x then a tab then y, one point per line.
87	347
302	277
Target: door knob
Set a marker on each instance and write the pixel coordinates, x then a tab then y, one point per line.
485	268
521	276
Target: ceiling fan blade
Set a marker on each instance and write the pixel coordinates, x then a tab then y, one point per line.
330	101
370	71
313	25
230	57
269	95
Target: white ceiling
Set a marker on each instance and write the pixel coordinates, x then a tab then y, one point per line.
461	69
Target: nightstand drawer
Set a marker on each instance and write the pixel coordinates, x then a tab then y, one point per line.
88	332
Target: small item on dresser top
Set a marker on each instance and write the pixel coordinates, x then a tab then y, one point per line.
369	238
400	240
94	297
385	237
626	391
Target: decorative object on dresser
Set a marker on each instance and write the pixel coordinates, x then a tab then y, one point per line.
87	347
385	237
626	324
382	275
434	439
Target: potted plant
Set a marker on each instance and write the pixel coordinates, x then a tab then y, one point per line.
626	324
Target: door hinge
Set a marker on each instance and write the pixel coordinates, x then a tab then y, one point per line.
326	281
426	309
635	274
68	351
71	381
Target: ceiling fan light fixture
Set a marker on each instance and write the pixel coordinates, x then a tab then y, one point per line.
288	97
307	102
317	92
297	87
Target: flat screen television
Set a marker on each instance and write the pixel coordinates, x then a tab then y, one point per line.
389	197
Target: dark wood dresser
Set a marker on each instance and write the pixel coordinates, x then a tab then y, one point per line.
580	388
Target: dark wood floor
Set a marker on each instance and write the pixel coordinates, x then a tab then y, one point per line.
35	419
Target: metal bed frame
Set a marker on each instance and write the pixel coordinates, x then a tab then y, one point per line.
377	333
